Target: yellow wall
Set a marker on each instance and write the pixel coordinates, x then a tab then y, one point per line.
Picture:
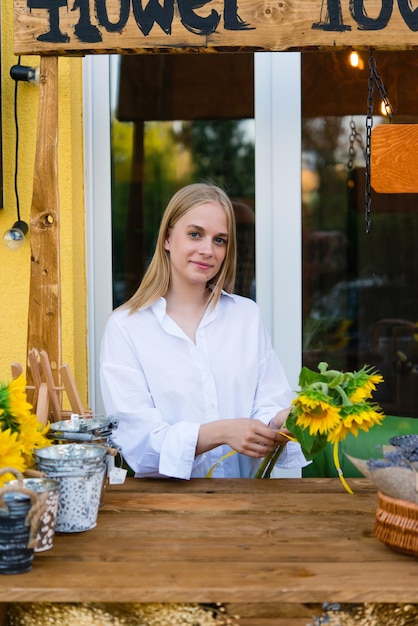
15	265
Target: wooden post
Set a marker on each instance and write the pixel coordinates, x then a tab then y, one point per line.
44	319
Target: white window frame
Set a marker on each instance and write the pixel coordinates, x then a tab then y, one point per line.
278	202
278	205
96	92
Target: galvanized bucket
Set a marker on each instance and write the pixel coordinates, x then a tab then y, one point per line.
92	429
20	511
46	527
80	470
83	429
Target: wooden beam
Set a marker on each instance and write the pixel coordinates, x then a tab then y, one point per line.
44	319
127	27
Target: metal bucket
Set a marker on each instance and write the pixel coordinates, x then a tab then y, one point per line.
80	470
91	429
20	510
83	429
46	526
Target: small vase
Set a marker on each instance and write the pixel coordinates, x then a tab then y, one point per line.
20	509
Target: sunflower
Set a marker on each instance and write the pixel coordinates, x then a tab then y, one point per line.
32	435
20	431
362	384
19	407
10	454
330	405
314	411
354	418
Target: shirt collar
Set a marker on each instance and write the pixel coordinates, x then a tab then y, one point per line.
159	307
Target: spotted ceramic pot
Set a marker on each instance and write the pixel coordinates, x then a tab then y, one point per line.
47	521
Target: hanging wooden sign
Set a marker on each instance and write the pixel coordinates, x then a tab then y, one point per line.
132	26
394	158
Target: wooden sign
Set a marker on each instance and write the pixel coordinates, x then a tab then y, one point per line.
394	158
57	27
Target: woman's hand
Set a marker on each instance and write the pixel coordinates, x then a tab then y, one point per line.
247	436
277	423
279	419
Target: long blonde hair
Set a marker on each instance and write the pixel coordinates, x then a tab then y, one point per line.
156	280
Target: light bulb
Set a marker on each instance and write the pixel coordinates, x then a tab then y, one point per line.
386	109
14	237
354	59
25	73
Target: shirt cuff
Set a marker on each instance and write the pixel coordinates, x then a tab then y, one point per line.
292	456
180	437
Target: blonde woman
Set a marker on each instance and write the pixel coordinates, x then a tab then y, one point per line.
187	367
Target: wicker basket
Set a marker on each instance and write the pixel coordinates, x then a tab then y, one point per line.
397	524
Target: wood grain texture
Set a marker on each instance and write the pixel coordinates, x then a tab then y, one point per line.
284	25
291	541
44	319
394	158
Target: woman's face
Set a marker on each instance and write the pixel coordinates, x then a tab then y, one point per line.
197	244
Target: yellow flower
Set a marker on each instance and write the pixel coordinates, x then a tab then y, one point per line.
316	414
357	417
31	436
19	407
365	390
10	454
20	431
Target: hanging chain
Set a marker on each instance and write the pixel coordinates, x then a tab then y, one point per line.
354	137
380	86
369	126
373	81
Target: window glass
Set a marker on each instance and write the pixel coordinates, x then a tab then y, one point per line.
179	119
359	289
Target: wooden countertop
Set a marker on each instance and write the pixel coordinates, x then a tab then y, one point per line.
228	541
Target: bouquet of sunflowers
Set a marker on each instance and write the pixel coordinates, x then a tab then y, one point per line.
330	405
20	431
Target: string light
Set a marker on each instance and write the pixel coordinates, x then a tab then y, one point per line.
355	60
385	109
14	237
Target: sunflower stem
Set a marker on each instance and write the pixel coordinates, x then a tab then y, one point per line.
339	470
346	400
269	461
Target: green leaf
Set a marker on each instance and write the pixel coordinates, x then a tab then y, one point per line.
307	377
310	444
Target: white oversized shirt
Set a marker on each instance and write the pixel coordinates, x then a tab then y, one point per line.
161	386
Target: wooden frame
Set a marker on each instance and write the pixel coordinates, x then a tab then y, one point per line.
50	28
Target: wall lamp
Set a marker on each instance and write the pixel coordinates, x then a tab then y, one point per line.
25	73
14	237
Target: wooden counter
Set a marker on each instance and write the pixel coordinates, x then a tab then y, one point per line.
280	542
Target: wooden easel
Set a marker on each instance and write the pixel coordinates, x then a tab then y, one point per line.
47	396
